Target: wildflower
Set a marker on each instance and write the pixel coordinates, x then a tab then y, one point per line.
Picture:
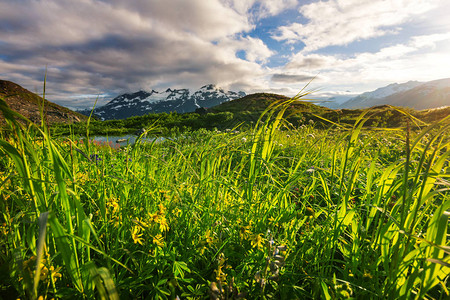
176	212
271	220
208	238
244	231
220	275
115	221
95	157
112	203
54	273
256	241
202	247
45	270
161	207
153	217
163	226
158	240
136	236
244	139
140	223
310	212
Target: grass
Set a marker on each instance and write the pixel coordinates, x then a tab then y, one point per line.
246	111
271	212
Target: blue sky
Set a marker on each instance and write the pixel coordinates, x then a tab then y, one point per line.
101	49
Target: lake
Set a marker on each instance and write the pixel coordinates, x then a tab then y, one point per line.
123	140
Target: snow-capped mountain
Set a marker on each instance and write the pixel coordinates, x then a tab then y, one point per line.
377	97
178	100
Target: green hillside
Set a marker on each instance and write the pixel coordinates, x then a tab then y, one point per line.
245	112
28	104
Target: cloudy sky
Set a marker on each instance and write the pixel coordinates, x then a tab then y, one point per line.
104	48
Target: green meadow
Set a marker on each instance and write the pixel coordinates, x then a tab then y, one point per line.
272	211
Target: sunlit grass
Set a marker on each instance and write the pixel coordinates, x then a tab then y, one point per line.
275	211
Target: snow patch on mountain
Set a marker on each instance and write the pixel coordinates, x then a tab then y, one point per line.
178	100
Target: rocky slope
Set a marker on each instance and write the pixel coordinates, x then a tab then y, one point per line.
27	104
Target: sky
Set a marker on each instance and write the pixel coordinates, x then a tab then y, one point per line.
90	49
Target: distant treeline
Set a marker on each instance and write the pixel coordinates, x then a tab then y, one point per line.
173	123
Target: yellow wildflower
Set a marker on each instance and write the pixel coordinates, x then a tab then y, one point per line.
220	275
82	178
4	229
245	231
177	212
162	209
112	203
30	265
202	247
139	222
257	241
153	217
55	273
163	226
136	236
310	212
165	194
115	221
208	238
158	240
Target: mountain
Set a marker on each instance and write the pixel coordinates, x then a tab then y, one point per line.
374	98
258	102
178	100
335	101
432	94
412	94
27	104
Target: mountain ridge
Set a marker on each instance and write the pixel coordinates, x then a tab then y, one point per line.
177	100
412	94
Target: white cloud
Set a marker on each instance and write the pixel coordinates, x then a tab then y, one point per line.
340	22
274	7
292	78
310	62
261	8
109	47
93	47
255	49
430	40
364	71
